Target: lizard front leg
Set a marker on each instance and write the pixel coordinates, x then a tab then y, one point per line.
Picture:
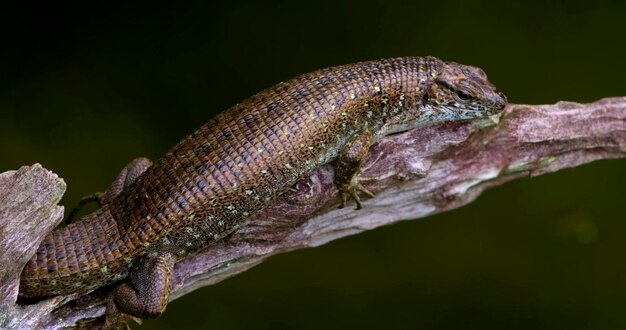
347	167
127	175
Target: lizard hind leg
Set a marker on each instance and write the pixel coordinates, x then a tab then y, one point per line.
127	175
147	294
347	167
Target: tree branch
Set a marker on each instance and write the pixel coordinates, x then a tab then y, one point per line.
416	174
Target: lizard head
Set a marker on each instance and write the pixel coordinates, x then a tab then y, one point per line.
462	92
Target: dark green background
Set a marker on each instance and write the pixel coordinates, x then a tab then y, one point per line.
83	90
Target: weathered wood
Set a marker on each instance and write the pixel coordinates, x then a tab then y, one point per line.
416	174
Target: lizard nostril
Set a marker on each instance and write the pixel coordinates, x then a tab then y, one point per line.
502	97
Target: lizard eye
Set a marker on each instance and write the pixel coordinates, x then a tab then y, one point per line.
462	96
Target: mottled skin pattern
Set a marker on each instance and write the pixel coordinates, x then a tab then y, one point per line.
238	163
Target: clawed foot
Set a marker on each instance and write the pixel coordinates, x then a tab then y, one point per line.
352	190
116	320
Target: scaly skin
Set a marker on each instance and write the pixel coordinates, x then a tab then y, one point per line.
239	162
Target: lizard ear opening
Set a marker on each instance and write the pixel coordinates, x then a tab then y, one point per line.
443	83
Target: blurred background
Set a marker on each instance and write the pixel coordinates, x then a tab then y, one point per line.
83	90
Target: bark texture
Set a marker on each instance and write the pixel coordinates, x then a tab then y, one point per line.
416	174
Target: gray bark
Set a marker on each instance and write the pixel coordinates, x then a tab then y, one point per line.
416	174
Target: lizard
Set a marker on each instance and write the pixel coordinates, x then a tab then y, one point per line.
239	162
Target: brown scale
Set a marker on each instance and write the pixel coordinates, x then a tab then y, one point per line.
235	165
